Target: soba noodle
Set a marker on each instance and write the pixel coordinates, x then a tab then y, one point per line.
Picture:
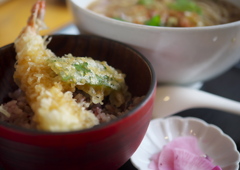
171	13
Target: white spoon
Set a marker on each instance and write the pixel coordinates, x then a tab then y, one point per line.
173	99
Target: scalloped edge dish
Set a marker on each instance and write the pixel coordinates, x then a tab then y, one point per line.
211	140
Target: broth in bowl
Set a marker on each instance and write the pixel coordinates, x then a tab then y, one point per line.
169	13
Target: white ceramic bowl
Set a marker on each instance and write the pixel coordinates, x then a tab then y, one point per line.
179	55
212	141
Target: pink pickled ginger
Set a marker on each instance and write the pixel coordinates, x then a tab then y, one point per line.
183	153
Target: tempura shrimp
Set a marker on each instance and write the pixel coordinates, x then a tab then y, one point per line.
51	101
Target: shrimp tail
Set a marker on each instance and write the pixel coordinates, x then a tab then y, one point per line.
30	33
35	22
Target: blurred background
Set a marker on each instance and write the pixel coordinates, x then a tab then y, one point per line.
14	15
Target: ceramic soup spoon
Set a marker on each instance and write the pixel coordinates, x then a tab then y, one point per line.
172	99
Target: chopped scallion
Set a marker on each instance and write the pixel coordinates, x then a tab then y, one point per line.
185	5
154	21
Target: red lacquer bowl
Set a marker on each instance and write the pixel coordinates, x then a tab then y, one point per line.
106	146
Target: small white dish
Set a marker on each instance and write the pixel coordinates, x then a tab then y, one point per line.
212	141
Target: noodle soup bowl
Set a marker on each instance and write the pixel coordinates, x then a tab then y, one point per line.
105	146
179	55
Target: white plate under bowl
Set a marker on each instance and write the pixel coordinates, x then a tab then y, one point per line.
212	141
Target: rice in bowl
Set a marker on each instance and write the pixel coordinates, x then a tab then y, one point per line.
19	112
